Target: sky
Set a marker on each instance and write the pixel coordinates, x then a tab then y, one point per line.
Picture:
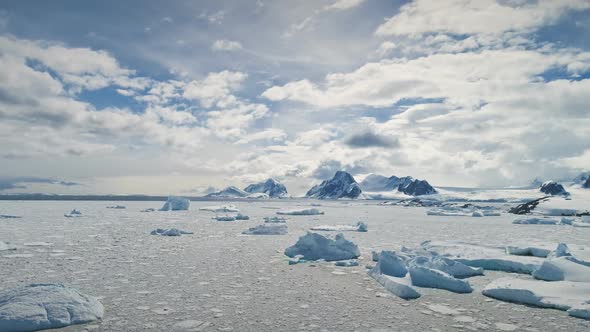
142	97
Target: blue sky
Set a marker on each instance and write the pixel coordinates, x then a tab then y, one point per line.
142	97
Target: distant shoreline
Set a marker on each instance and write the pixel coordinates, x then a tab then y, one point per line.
129	198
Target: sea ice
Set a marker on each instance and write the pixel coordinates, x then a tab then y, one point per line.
73	213
169	232
359	227
46	306
566	268
7	216
570	296
220	208
426	277
116	207
225	218
314	246
467	210
175	203
267	230
275	220
447	265
303	212
535	221
389	273
347	263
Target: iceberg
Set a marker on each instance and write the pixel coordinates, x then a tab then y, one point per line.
267	230
359	227
46	306
116	207
565	268
175	203
74	213
314	246
5	246
303	212
570	296
224	218
169	232
275	220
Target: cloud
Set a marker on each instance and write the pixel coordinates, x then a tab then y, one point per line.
369	139
476	16
215	89
226	45
8	183
344	4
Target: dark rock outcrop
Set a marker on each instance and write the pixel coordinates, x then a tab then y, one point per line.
342	185
271	187
553	188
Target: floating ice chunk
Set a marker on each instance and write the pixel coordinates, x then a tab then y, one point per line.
359	227
5	246
37	244
566	268
535	221
46	306
314	246
225	218
391	264
426	277
275	220
486	257
347	263
401	287
175	203
169	232
467	210
240	216
303	212
148	210
73	213
220	208
120	207
561	250
267	230
562	295
447	265
7	216
527	251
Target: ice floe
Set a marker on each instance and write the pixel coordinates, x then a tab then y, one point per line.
220	208
314	246
119	207
535	221
347	263
570	296
169	232
302	212
73	213
6	246
8	216
239	216
46	306
267	230
359	227
175	203
275	220
467	210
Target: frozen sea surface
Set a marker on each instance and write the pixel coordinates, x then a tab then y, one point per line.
220	280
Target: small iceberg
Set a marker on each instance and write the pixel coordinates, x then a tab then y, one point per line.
275	220
359	227
267	230
175	203
220	208
303	212
347	263
5	246
314	246
73	214
148	210
239	216
119	207
169	232
466	210
46	306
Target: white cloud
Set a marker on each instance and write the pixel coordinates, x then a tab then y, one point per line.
344	4
476	16
216	89
226	45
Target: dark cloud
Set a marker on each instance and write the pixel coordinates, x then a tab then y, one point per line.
21	181
369	140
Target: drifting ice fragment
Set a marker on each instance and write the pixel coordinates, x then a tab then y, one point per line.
304	212
73	213
275	220
359	227
220	208
175	203
169	232
314	246
267	230
6	246
46	306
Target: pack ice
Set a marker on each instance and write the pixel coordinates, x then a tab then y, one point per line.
314	246
467	210
220	208
46	306
175	203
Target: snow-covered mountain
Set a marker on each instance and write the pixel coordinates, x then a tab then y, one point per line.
230	191
407	185
271	187
553	188
342	185
582	178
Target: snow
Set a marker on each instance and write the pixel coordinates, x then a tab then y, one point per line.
425	277
5	246
229	192
535	221
169	232
267	230
570	296
359	227
314	246
342	185
302	212
566	268
175	203
270	187
45	306
220	208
